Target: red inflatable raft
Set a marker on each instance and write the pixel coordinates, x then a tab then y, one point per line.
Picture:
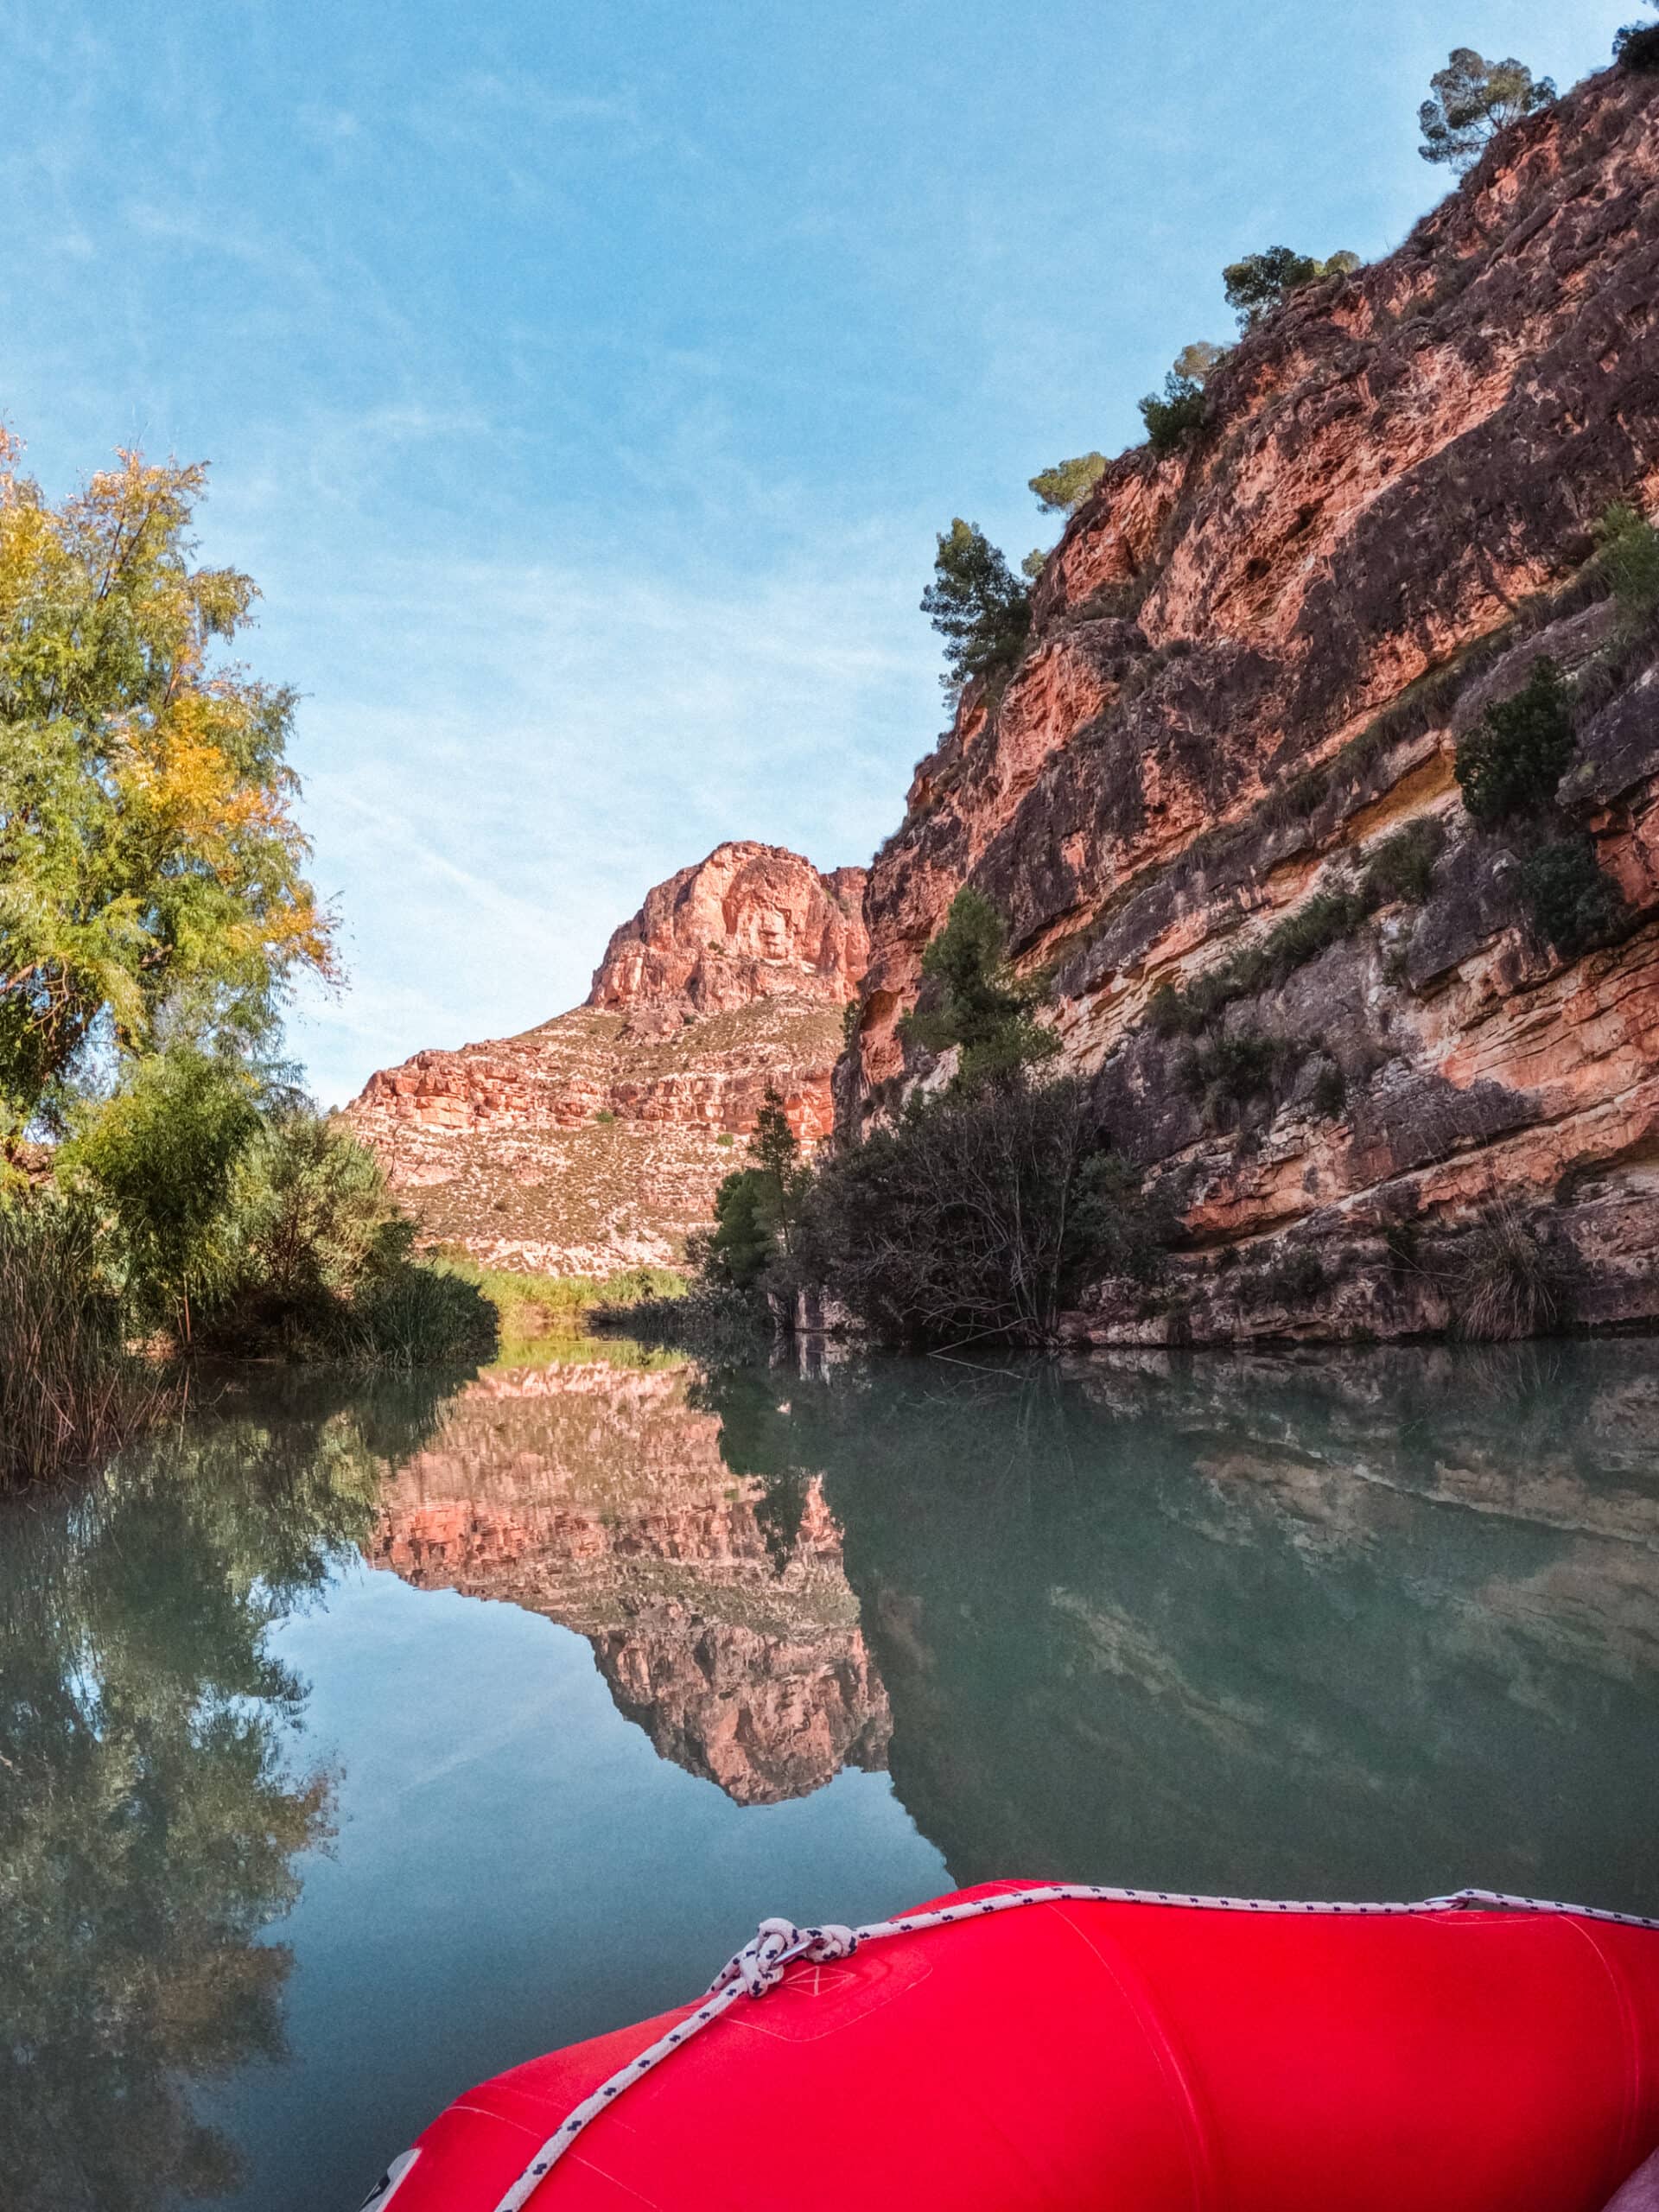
1019	2049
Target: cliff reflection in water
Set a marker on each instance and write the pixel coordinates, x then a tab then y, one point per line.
152	1811
716	1603
1365	1624
1357	1624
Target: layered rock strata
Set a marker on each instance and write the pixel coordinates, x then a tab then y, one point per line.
1250	666
599	1498
597	1140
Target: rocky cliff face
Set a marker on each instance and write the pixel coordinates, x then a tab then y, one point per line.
596	1140
599	1498
1249	667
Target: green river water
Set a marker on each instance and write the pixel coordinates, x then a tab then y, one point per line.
358	1741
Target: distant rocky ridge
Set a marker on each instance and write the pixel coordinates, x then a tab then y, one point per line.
594	1140
599	1498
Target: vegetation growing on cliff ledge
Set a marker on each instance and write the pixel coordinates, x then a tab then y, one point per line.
976	605
1259	285
1513	761
1470	100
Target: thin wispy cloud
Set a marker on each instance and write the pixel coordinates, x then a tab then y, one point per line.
583	388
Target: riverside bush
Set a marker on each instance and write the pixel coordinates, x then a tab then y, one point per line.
71	1392
976	1217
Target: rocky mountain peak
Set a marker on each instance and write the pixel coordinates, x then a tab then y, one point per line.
747	922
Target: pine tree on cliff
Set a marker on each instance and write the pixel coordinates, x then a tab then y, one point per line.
983	1010
1473	100
977	604
1263	282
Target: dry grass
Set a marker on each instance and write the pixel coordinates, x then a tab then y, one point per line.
1504	1284
71	1393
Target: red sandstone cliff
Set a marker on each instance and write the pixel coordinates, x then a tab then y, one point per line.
596	1140
1249	663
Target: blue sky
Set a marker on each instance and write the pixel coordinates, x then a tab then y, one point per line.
584	385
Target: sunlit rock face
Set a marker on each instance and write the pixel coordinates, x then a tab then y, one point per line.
718	1612
1251	664
596	1140
748	921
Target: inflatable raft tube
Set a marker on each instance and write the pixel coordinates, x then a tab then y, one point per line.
1023	2049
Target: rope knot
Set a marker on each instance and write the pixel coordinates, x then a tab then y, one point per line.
760	1965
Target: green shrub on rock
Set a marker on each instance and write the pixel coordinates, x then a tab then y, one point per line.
1176	417
1401	869
1513	761
1574	905
984	1011
1629	554
1063	489
1261	282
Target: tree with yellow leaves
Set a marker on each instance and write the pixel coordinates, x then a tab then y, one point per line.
152	876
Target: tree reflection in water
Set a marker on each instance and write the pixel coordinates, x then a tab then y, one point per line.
151	1811
1366	1623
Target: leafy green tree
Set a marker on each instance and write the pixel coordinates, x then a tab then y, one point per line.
1262	282
977	604
984	1011
1472	99
1063	489
151	874
1174	416
1513	760
161	1155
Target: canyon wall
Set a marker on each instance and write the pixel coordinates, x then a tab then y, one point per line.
1249	667
597	1140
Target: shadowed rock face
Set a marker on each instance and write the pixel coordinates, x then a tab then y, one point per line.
599	1497
1251	664
593	1142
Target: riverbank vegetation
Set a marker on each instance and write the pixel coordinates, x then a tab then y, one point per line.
976	1217
164	1190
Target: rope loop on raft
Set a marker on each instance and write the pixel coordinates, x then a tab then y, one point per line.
764	1961
776	1944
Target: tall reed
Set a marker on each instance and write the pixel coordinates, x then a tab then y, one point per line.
71	1392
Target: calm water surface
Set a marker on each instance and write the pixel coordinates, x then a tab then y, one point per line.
357	1743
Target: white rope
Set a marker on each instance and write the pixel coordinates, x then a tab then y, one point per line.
762	1964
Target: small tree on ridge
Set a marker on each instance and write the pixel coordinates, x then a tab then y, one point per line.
1472	99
